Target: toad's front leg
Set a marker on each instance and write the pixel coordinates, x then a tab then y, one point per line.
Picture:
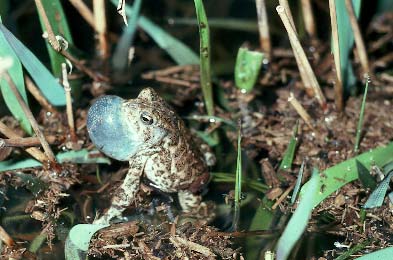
125	193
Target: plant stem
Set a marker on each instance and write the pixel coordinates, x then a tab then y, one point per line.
67	90
204	55
361	117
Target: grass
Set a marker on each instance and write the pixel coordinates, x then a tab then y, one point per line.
287	160
361	117
346	41
205	56
238	183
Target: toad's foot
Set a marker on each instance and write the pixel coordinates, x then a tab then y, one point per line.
189	202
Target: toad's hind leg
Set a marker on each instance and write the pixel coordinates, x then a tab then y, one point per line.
189	201
125	193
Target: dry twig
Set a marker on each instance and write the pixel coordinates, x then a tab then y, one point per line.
28	141
263	27
308	17
100	25
32	88
300	110
36	153
48	151
51	35
308	77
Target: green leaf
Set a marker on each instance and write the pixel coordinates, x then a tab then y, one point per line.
383	254
78	240
365	177
248	65
81	156
205	56
58	21
16	74
346	40
337	176
378	195
48	85
178	51
298	222
290	152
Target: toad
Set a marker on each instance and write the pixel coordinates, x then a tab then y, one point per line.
147	133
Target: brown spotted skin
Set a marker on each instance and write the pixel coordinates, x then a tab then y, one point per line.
166	155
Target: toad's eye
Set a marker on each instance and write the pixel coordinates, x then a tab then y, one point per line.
146	118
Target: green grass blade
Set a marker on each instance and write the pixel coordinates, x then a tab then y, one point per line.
346	40
298	222
365	177
378	195
238	183
220	23
178	51
81	156
120	57
248	65
361	117
4	9
290	152
298	183
37	242
205	54
16	74
337	176
58	21
48	85
231	178
262	220
354	250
